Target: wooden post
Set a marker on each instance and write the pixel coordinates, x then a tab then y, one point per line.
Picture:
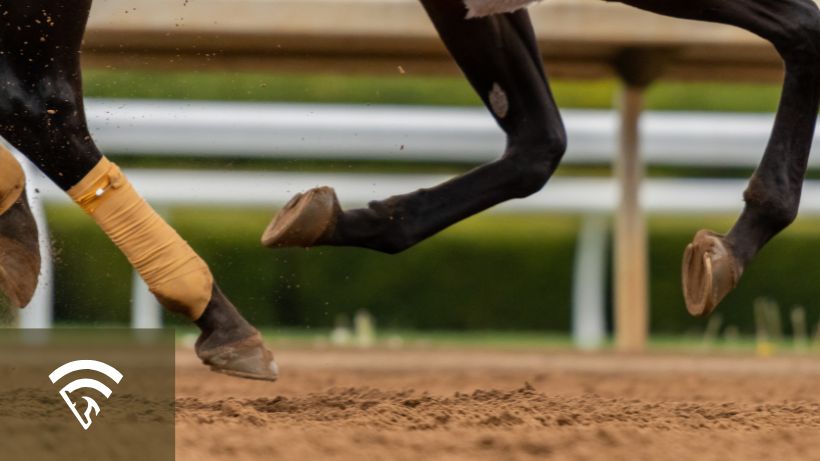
631	285
637	68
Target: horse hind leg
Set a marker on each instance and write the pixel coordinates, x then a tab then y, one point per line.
499	56
19	245
713	263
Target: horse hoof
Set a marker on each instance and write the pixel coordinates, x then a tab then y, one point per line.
709	273
19	254
304	220
247	358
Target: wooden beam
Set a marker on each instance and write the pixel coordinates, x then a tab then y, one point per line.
342	36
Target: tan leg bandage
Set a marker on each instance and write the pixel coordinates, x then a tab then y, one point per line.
12	180
176	275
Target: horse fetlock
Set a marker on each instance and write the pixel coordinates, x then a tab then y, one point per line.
229	344
394	241
774	205
395	216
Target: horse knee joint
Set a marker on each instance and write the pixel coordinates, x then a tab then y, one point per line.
535	165
530	178
35	106
19	108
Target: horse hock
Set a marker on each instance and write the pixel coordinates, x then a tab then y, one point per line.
19	246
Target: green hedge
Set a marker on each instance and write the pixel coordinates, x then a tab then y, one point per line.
408	88
494	271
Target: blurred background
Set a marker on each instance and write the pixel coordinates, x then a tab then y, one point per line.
322	90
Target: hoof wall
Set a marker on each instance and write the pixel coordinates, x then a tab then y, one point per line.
304	220
19	254
248	358
709	273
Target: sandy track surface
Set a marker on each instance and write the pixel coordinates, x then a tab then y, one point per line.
485	405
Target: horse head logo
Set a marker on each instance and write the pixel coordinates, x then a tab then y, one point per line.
91	405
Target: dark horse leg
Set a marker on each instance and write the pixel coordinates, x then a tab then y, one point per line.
41	114
714	263
500	58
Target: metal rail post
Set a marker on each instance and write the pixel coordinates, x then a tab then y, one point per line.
589	283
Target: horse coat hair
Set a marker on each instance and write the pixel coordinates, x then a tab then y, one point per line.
479	8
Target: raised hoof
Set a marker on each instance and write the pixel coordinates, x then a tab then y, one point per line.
247	358
709	273
19	254
304	220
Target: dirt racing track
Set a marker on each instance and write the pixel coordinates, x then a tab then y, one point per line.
488	405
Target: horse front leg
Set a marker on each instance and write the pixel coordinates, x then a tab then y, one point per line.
713	263
499	56
41	114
